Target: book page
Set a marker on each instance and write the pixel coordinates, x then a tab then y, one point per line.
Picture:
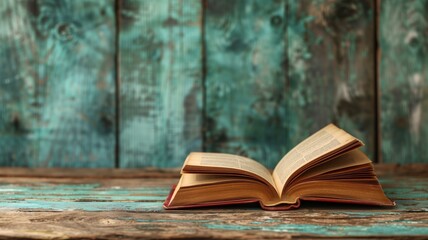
325	140
194	179
350	159
222	160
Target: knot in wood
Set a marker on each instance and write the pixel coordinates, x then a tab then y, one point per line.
16	123
275	20
106	124
65	31
341	16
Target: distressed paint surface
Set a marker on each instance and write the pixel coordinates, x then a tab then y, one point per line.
278	72
56	83
331	66
246	112
86	197
275	73
80	194
160	82
404	80
132	208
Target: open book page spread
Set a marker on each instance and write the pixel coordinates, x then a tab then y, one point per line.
321	142
222	160
327	166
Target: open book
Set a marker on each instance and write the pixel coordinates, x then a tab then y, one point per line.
327	166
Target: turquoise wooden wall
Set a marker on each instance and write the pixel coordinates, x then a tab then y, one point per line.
140	83
57	83
404	81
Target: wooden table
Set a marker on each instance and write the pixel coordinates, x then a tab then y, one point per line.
54	203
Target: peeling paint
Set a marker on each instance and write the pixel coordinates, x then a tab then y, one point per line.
384	230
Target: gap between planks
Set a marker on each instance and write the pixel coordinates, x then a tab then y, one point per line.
102	173
99	173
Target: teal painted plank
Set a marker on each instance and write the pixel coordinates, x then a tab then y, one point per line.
396	229
278	72
57	83
246	112
84	206
86	197
404	81
160	82
331	71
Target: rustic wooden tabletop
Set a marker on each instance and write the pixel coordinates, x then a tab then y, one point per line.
98	204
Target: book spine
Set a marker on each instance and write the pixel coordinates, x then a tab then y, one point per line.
281	207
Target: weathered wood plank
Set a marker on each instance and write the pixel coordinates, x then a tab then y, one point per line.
331	71
108	173
404	80
160	82
278	72
56	83
131	208
245	79
209	225
117	173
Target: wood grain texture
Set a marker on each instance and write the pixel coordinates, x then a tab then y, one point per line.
331	72
115	173
99	173
126	208
56	83
275	73
278	72
160	82
246	112
404	80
